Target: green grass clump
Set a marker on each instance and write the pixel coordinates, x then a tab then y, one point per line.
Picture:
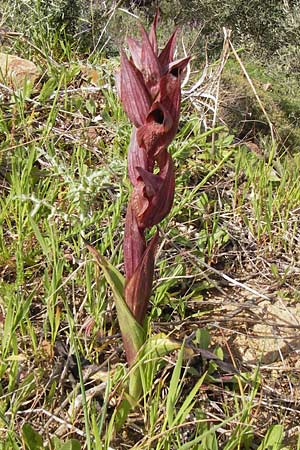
279	93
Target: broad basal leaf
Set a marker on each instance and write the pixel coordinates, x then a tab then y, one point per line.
132	333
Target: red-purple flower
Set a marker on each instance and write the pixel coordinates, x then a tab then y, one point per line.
149	86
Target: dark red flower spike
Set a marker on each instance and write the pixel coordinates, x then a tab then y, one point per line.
149	88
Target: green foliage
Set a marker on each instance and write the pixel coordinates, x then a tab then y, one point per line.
62	14
34	441
273	439
49	25
51	14
261	27
279	94
58	184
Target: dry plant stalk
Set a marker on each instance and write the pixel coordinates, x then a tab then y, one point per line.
149	86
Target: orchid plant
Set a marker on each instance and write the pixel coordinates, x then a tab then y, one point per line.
149	86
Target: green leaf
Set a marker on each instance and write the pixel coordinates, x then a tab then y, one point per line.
47	89
158	346
202	338
91	106
32	439
273	439
72	444
189	402
150	357
41	240
219	353
129	326
122	413
174	388
209	442
56	443
133	334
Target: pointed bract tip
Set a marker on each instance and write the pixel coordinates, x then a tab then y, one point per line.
133	92
152	33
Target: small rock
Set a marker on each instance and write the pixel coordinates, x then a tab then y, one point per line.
271	339
14	71
91	74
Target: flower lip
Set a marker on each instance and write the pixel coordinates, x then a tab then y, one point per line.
157	115
176	72
160	115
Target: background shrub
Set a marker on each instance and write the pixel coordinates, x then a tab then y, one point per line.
268	33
